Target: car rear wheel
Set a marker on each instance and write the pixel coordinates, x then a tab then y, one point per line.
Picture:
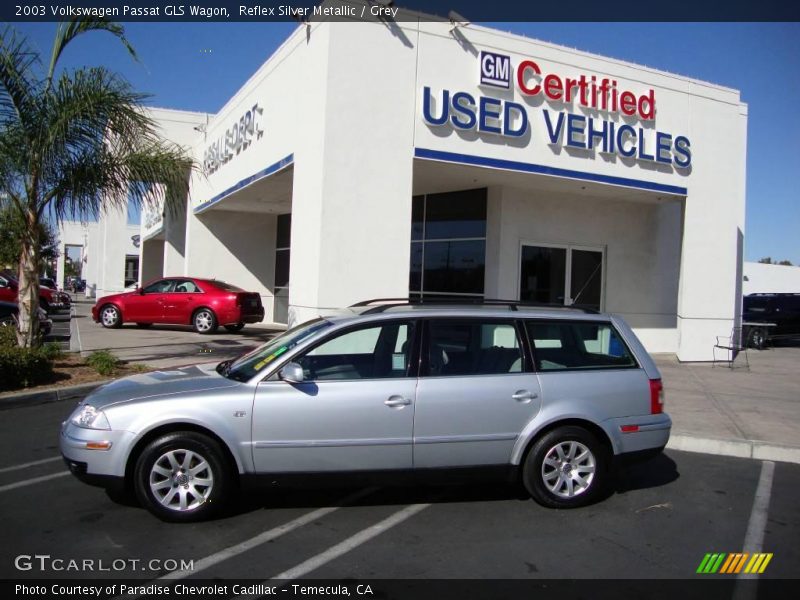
204	321
182	477
234	328
110	317
44	305
566	468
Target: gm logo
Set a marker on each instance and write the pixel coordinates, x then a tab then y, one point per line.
495	70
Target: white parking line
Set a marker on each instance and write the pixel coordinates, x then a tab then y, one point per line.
29	464
754	538
350	543
26	482
264	537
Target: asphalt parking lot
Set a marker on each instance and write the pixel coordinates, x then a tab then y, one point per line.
660	520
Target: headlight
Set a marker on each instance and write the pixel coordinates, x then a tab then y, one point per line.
90	418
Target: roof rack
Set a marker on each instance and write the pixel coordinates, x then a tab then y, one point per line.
384	303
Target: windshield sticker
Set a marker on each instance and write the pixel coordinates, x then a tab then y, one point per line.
262	363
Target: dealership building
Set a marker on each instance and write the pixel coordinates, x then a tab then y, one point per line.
413	156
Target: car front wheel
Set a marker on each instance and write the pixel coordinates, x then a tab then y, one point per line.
110	317
566	468
182	477
204	321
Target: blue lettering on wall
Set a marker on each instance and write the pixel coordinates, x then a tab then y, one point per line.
554	134
489	109
463	106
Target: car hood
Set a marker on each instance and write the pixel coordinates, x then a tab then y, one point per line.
114	297
196	378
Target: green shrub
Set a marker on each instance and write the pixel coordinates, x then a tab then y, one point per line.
53	351
103	362
21	367
8	336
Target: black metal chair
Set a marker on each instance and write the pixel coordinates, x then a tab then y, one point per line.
732	347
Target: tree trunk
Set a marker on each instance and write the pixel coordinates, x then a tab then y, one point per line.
28	300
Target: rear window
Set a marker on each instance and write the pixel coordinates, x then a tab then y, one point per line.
225	286
570	345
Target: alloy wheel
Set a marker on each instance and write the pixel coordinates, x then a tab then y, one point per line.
109	316
568	469
181	480
203	321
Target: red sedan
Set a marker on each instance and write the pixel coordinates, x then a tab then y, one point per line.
49	299
202	303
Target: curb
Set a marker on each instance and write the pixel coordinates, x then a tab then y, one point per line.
735	448
47	396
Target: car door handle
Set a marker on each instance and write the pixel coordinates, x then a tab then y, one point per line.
524	396
397	402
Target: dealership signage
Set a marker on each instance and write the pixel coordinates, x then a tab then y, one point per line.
630	135
233	141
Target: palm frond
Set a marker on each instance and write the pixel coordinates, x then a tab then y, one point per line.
19	87
69	30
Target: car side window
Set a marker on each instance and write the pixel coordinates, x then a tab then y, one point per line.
162	286
569	345
186	287
374	352
458	348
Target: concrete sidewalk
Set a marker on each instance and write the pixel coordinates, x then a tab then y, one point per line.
736	412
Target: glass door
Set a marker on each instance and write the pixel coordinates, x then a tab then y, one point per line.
561	275
543	274
586	277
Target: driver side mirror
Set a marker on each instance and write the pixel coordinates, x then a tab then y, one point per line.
140	290
291	373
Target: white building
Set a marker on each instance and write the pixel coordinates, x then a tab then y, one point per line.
107	250
377	159
762	278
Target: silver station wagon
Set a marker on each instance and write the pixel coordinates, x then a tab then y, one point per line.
551	396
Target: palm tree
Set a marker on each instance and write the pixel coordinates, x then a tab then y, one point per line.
74	145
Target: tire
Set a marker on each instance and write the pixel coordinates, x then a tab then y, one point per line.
144	325
234	328
204	321
566	483
44	305
757	338
110	317
168	473
8	321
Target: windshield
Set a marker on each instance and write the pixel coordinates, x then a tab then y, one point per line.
248	365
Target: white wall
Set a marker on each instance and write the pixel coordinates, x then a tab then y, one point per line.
351	207
641	259
771	279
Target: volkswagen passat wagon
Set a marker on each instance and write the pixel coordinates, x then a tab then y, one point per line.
551	396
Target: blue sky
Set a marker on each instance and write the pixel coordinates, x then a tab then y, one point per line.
198	66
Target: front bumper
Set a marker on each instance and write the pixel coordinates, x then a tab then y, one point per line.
74	443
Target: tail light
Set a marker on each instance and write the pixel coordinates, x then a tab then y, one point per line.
656	397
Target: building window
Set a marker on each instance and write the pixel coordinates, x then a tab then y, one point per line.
282	249
131	269
448	244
